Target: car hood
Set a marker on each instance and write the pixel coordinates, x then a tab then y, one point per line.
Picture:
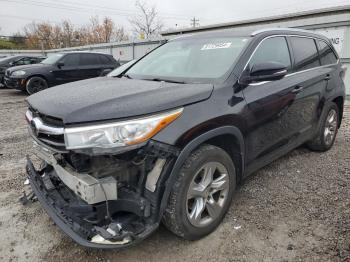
28	68
106	98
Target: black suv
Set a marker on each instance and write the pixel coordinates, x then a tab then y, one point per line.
58	69
170	137
16	60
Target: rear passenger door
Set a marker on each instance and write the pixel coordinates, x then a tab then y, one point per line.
311	81
329	61
90	66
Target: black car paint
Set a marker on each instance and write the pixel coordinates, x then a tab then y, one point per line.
55	74
254	123
99	99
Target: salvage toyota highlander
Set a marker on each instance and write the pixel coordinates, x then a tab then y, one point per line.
169	138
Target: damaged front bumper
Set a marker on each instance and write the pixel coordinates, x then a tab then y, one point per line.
114	203
77	220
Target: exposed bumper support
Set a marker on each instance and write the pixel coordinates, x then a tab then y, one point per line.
84	235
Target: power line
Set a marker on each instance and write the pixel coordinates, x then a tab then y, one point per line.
80	9
194	22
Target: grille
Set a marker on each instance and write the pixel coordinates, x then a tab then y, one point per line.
46	129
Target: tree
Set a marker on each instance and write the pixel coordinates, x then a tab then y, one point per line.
147	23
45	35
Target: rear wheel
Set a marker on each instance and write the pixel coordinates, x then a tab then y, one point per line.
202	193
327	132
35	84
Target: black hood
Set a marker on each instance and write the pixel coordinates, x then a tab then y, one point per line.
29	68
107	98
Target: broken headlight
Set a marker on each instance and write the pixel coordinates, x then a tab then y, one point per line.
118	134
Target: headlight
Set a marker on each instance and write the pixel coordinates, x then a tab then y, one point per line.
118	134
19	73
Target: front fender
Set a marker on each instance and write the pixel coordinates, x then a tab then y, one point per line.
189	148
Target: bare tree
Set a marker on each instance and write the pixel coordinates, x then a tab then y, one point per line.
147	23
45	35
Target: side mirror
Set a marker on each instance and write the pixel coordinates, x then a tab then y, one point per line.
11	64
60	64
268	71
105	72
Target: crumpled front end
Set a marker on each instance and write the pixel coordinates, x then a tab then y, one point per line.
101	201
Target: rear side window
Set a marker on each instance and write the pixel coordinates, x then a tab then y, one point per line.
305	53
273	49
104	60
89	59
327	55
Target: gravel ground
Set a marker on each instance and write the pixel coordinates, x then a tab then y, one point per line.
295	209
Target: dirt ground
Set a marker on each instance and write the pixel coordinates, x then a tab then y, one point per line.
295	209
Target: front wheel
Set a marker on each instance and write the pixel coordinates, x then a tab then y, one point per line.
202	194
36	84
328	129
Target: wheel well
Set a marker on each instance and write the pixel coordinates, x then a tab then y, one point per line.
38	76
339	101
231	145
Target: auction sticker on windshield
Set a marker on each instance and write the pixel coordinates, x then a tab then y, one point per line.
216	46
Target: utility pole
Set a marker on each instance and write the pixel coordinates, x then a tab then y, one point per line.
194	22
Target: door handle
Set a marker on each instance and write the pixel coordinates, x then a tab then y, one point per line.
327	77
297	89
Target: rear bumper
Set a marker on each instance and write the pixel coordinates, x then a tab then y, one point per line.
52	200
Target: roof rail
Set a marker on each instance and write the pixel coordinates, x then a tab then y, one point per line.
278	29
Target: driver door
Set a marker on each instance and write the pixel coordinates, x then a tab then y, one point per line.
273	106
69	72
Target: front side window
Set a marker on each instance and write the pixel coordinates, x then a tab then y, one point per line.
327	55
200	60
305	53
274	49
70	60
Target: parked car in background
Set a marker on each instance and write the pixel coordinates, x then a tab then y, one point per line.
169	139
58	69
16	60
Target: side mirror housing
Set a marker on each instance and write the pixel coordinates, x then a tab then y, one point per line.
268	71
105	72
60	64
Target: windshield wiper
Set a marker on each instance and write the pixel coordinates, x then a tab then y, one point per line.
127	76
165	80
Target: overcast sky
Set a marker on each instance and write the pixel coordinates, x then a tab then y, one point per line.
14	14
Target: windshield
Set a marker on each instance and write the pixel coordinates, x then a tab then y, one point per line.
52	59
193	59
121	69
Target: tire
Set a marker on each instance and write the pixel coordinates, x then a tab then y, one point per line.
327	130
179	216
35	84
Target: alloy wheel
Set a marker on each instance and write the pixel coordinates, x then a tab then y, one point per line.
207	194
331	125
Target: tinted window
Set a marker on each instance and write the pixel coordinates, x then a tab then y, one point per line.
70	60
327	55
89	59
104	60
305	53
273	49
